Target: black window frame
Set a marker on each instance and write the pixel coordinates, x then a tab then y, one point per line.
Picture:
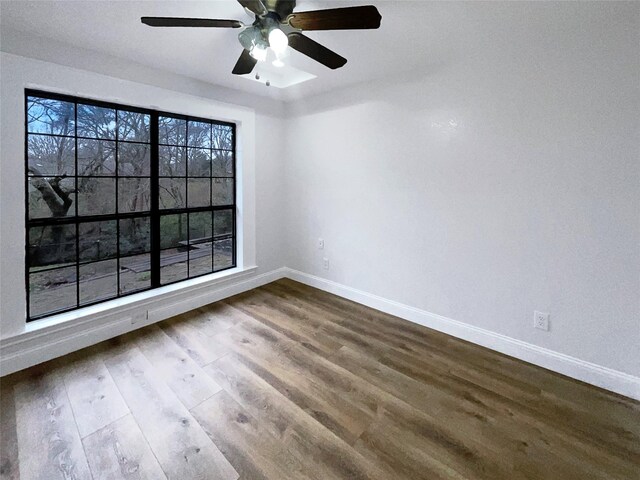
155	212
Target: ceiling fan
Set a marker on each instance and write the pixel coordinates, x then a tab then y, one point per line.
277	26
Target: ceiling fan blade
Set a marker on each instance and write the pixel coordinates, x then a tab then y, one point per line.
244	64
314	50
336	19
190	22
255	6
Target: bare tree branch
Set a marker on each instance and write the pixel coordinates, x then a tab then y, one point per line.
52	193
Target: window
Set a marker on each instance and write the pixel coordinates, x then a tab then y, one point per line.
121	199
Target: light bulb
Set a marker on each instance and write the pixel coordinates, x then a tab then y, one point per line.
278	63
259	53
278	40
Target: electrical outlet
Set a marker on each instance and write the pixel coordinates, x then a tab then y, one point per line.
321	243
541	321
325	263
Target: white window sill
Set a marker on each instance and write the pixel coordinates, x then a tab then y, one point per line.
136	303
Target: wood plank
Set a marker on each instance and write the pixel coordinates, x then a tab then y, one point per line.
250	448
202	348
358	317
119	451
177	369
311	386
301	330
369	323
512	439
94	397
399	457
48	439
494	402
305	438
377	329
624	439
9	465
177	440
400	428
217	318
326	325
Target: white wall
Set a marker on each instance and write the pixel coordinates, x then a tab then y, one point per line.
504	182
270	182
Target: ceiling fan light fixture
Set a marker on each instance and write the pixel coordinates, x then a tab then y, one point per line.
253	42
278	41
258	52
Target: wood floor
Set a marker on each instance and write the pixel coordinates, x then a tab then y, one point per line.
287	382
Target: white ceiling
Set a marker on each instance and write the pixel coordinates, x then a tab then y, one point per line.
415	37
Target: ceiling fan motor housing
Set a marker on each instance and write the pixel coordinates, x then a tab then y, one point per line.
282	8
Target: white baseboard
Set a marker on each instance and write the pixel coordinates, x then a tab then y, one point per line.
42	344
37	346
591	373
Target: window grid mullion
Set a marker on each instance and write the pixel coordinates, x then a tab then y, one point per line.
117	168
188	215
155	200
75	182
